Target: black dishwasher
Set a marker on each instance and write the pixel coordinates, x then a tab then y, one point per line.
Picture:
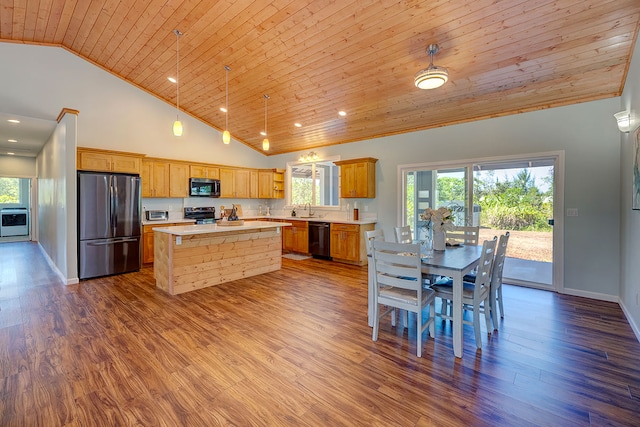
319	239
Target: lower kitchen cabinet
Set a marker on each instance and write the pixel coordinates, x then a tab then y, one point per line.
348	243
296	237
147	240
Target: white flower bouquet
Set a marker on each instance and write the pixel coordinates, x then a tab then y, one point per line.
440	219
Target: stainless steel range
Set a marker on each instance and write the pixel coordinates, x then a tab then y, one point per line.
203	215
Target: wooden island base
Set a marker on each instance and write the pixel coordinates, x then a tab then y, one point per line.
192	257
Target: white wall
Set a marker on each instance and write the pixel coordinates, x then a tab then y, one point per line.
17	167
56	210
587	134
630	219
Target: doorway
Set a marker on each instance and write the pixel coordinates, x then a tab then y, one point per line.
517	194
15	209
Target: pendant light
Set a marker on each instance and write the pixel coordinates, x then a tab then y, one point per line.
432	76
265	141
177	125
226	136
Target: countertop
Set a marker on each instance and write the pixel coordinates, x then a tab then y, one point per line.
169	221
313	219
263	217
188	230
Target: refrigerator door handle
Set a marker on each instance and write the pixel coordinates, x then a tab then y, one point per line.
113	191
111	242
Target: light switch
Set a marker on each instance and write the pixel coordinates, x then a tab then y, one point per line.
572	212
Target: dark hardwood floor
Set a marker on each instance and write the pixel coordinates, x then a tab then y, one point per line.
293	348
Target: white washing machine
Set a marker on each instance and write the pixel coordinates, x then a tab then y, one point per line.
15	222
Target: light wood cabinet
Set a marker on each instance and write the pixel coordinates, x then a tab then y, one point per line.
155	178
204	171
108	161
148	241
357	178
178	180
348	244
234	183
296	237
253	184
271	184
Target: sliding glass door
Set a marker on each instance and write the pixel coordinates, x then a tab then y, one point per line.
515	195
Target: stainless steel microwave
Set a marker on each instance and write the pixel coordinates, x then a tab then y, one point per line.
204	187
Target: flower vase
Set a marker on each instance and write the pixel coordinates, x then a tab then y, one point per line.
426	246
439	240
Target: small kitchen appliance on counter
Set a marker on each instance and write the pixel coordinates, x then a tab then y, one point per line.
202	215
156	215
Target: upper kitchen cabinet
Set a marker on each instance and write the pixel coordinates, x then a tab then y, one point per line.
108	161
205	171
235	183
155	178
162	178
271	184
357	178
179	179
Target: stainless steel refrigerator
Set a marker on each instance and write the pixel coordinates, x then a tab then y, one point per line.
109	223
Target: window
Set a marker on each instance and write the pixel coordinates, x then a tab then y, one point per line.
14	192
315	183
431	188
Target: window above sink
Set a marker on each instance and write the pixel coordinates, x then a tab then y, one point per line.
316	183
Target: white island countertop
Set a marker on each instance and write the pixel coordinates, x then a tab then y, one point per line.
314	219
189	230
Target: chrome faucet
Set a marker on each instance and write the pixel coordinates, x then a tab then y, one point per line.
307	207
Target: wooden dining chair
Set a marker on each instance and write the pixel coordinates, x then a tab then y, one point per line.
496	279
398	285
403	234
464	234
475	296
370	236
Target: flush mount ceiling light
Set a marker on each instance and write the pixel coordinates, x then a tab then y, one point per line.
177	125
432	76
311	157
624	121
226	136
265	141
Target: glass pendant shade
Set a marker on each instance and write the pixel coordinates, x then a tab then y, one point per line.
226	135
177	128
265	141
177	125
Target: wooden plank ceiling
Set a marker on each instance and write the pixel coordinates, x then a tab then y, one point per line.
314	58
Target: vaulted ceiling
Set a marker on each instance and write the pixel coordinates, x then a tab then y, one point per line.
315	58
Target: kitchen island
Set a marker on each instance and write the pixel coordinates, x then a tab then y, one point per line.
193	257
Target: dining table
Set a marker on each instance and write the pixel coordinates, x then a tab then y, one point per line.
454	262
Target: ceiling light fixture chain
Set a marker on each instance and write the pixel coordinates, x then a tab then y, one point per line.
433	76
226	136
265	141
177	125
